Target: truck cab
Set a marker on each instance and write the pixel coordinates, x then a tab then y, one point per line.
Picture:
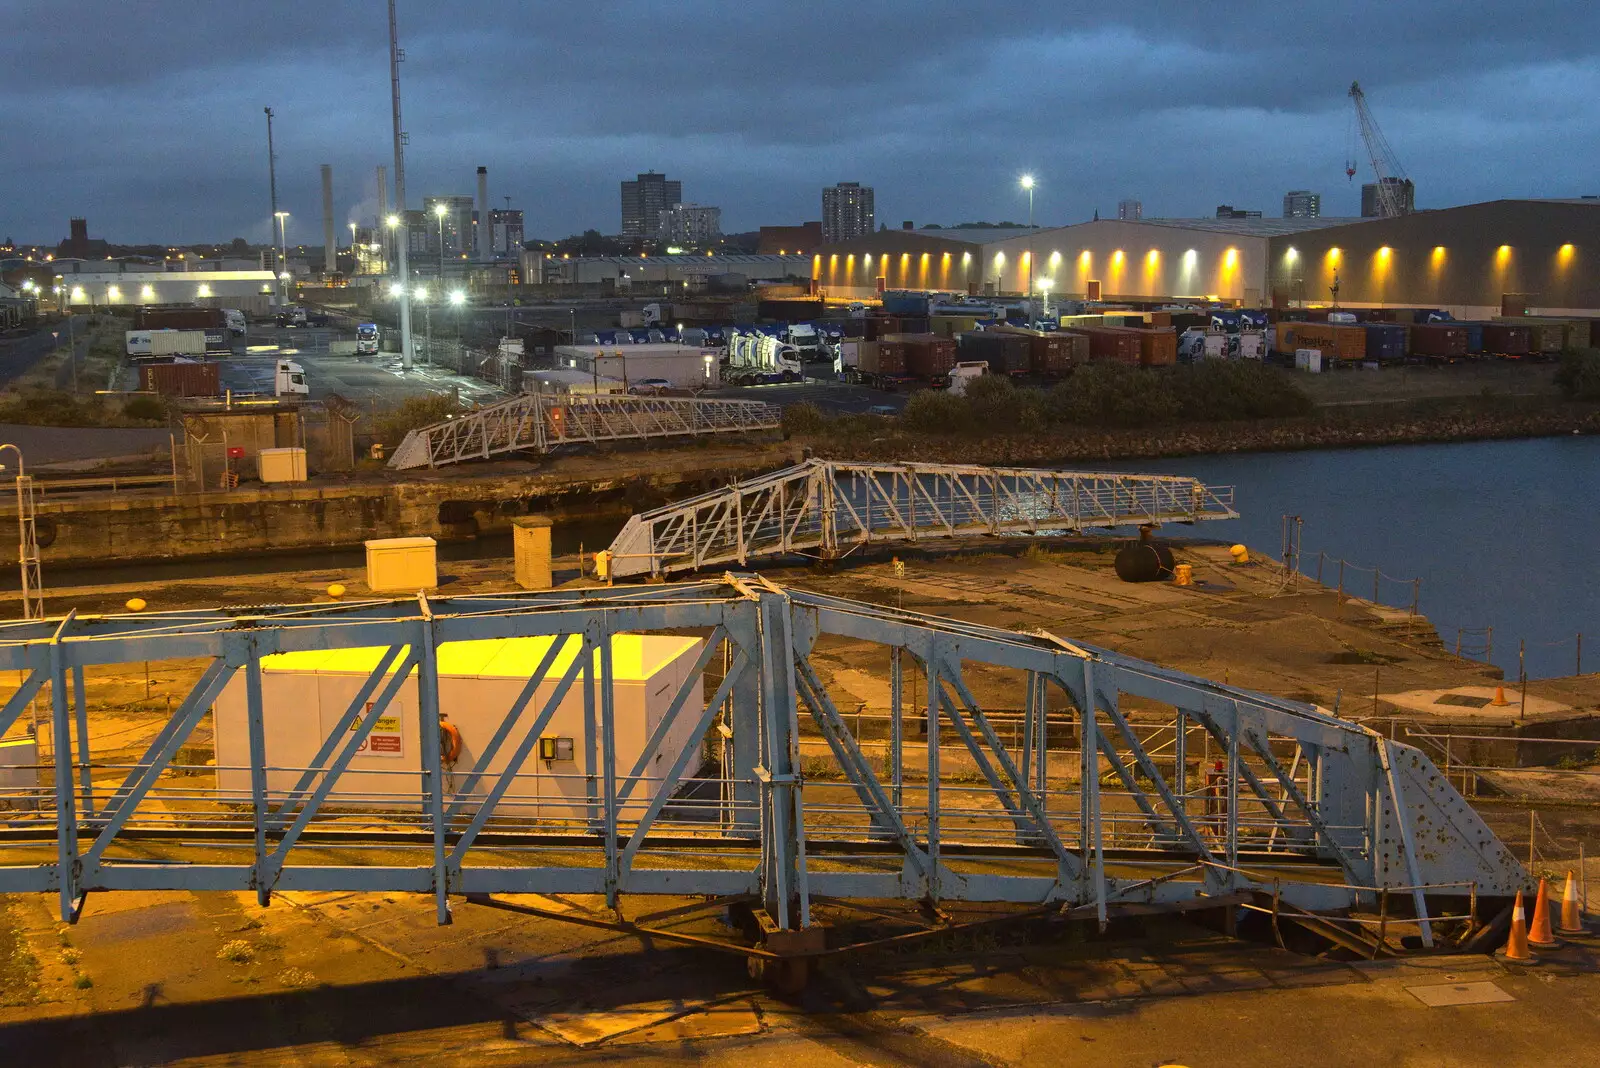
367	339
290	380
965	372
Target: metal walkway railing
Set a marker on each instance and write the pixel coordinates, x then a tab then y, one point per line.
1209	790
824	508
540	422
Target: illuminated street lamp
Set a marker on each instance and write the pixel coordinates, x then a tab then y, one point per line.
1027	183
439	209
283	251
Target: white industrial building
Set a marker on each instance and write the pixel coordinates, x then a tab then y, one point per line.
694	270
305	694
109	283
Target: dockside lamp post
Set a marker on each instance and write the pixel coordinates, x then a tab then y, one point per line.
1027	183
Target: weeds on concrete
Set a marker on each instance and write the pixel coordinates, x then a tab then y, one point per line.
295	978
237	952
19	971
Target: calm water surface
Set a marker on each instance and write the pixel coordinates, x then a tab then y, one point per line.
1502	533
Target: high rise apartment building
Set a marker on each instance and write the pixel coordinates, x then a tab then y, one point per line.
643	201
1302	204
847	212
1131	210
690	224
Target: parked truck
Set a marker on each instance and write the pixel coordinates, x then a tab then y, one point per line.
367	339
290	380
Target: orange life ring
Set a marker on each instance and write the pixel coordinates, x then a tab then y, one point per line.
449	741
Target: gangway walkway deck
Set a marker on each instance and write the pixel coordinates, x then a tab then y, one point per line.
825	508
540	422
1322	811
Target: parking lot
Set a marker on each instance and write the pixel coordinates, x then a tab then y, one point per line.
362	379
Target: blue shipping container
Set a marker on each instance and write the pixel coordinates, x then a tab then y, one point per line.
895	303
1386	341
1474	336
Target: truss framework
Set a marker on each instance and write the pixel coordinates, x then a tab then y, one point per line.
825	508
540	422
1298	803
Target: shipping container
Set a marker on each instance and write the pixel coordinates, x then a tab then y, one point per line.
1439	341
860	354
1005	352
164	343
1386	341
899	302
180	379
922	355
1336	341
1474	337
876	358
1112	343
951	325
1551	335
880	325
913	324
179	319
1157	347
1507	339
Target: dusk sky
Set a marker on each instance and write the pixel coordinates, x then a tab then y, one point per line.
146	115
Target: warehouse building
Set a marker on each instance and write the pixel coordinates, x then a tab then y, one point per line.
113	283
1471	260
1474	261
697	270
1108	259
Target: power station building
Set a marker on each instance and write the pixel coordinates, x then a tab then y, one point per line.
1472	259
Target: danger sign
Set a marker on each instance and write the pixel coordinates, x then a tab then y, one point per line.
385	739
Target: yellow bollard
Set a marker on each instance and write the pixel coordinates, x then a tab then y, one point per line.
1183	574
602	566
135	604
1240	554
335	591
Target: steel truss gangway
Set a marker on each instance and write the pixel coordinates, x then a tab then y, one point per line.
827	508
541	422
1092	801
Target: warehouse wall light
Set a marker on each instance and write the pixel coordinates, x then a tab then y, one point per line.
1565	254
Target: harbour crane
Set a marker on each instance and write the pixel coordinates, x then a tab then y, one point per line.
1386	167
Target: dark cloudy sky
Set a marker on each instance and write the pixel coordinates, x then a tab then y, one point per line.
146	115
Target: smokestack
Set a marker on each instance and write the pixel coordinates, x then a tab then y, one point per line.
381	234
485	232
330	249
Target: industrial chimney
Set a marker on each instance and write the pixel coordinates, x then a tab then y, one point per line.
485	231
330	248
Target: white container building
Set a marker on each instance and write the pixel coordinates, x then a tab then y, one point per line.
304	694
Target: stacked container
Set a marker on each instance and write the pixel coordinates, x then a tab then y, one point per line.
1157	347
1506	339
1336	341
922	355
1439	341
1114	343
1006	353
1386	341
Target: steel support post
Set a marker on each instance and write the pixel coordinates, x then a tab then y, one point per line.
896	726
432	756
68	871
1180	760
1091	834
85	776
256	730
931	676
783	890
608	759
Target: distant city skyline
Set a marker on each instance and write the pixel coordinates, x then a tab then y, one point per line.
151	127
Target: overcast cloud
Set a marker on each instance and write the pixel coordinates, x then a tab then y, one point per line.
146	115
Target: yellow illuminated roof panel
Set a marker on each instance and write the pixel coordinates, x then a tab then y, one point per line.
634	657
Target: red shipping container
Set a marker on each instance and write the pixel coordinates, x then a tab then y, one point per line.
1157	348
1115	343
923	355
1438	339
180	379
1503	339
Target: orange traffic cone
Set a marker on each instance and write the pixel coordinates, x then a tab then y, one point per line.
1571	914
1539	934
1499	697
1517	944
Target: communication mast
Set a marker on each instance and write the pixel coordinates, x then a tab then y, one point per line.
1385	165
